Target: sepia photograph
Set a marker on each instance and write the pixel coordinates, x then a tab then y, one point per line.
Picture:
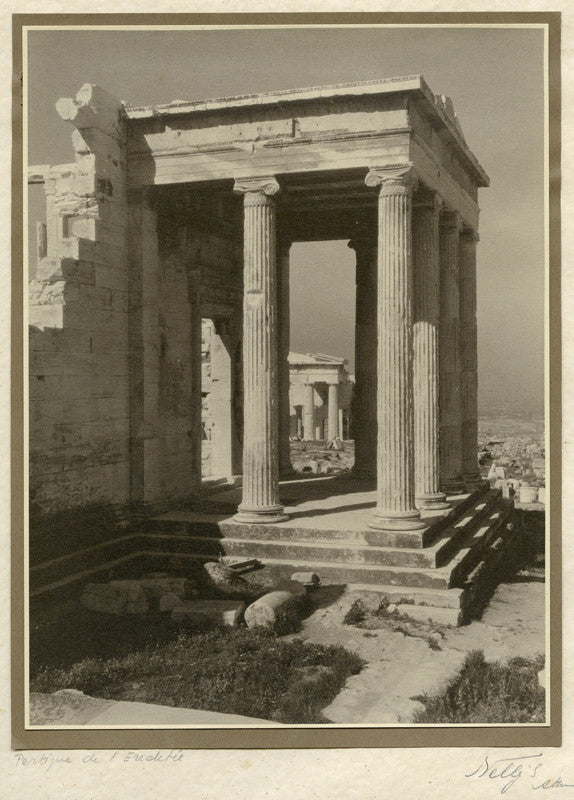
287	381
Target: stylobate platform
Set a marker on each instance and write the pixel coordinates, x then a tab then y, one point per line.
322	504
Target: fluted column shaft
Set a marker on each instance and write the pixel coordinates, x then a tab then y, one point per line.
284	247
309	413
260	501
426	352
449	353
395	452
333	411
468	355
365	390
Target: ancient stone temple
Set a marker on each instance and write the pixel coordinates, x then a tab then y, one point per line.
187	211
320	396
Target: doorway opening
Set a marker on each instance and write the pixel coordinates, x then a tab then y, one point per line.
321	356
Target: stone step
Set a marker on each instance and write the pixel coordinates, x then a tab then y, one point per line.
420	613
449	541
421	596
220	524
125	566
329	572
320	548
475	544
174	535
339	552
213	525
87	559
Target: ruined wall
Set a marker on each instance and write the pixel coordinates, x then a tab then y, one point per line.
78	315
115	327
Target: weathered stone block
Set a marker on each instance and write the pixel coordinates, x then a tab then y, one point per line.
306	578
217	612
155	587
116	597
280	609
224	580
169	601
296	588
444	616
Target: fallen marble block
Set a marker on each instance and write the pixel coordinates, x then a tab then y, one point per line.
116	597
216	612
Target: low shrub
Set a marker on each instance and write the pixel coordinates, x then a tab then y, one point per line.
489	692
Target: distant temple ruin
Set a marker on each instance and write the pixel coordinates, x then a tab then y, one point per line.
320	396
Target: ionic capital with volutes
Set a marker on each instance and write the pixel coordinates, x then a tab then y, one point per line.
451	221
469	235
257	190
427	200
393	180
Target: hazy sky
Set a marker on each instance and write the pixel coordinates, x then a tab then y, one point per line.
495	79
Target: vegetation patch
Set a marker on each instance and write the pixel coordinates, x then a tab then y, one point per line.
234	671
488	692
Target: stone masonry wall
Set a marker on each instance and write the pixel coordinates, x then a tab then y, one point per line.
78	315
122	283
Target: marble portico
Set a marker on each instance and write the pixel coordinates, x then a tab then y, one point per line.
186	211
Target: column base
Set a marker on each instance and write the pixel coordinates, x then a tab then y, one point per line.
396	520
436	501
261	514
453	486
472	480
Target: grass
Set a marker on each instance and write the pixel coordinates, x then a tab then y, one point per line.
235	671
488	692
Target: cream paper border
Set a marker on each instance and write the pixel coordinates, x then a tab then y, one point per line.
360	773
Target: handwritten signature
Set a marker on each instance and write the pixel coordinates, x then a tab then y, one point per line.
508	771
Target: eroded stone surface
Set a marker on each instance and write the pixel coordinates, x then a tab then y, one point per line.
216	612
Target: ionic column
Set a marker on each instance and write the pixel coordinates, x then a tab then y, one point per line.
468	355
299	420
365	390
260	501
284	247
309	413
396	507
449	354
426	352
333	411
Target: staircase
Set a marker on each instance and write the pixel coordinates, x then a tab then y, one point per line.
440	572
444	566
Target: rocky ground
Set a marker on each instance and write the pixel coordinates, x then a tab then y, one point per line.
406	660
317	458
